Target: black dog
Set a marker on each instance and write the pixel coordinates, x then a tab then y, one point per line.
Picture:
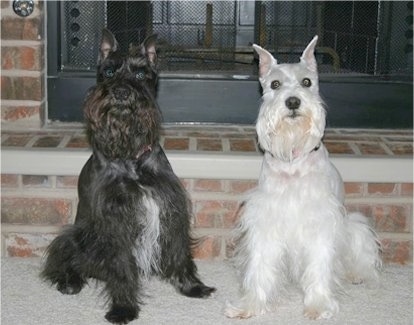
133	217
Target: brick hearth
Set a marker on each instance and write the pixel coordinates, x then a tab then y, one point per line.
35	207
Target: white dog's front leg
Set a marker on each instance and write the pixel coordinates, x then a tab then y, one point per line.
317	283
262	261
260	284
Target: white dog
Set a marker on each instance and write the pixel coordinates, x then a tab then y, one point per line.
294	225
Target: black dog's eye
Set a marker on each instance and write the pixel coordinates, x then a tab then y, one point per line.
275	84
306	82
108	73
140	74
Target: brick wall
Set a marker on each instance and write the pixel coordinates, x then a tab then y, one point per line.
34	208
23	68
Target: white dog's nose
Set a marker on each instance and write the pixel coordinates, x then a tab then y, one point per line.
292	103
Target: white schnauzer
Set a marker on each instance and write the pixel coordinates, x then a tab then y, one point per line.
294	225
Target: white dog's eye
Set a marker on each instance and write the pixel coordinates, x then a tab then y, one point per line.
306	82
275	84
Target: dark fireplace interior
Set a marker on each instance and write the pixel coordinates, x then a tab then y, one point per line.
208	69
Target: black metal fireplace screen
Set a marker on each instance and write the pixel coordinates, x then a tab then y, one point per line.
356	37
205	48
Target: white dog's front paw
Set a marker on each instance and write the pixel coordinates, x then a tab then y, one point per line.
243	310
235	312
316	313
321	309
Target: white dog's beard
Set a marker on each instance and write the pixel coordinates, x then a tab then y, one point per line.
291	138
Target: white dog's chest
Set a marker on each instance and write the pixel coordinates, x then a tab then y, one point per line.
312	178
299	199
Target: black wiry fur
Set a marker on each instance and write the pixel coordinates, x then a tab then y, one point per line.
126	184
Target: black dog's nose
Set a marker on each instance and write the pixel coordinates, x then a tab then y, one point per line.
292	103
121	93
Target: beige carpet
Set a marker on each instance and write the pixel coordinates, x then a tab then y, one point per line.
25	300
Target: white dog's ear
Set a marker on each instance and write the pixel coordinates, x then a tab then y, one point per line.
266	60
308	55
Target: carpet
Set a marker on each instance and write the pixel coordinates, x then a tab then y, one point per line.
25	299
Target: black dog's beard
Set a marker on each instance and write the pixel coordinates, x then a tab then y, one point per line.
121	128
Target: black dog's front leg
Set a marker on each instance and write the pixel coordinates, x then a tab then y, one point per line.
62	259
177	262
188	283
122	286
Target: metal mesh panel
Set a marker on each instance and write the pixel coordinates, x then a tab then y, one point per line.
192	34
355	37
195	35
82	22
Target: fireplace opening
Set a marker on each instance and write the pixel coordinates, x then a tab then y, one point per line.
208	68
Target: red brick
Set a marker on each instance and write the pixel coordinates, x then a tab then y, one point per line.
407	189
242	186
22	88
16	251
36	211
9	180
365	209
244	145
187	183
48	141
209	145
13	113
22	58
391	218
206	214
8	58
176	143
371	149
16	28
397	251
27	245
16	140
29	59
230	245
67	181
401	148
78	142
208	185
215	214
383	189
354	188
208	247
35	181
338	147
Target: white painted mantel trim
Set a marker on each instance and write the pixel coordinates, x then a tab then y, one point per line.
207	166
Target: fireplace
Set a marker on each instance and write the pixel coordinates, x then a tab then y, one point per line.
208	68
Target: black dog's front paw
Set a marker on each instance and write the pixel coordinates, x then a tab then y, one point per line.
70	287
198	291
122	314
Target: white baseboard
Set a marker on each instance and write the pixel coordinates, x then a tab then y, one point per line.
206	165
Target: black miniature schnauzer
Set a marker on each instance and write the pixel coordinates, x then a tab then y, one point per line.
133	217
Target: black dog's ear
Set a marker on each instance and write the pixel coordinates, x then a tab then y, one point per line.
148	48
108	44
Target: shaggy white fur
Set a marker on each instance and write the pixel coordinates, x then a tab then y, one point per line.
294	225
